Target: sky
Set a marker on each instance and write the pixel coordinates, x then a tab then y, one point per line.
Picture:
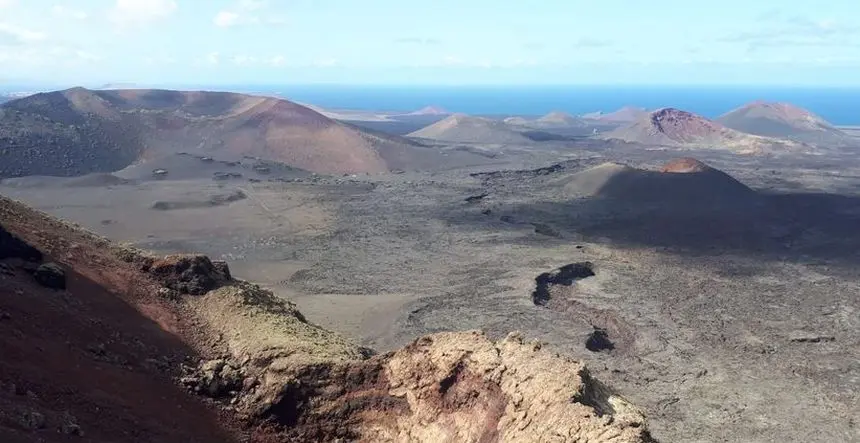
405	42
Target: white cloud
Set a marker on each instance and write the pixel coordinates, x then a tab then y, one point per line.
87	56
18	35
454	61
48	56
136	12
156	60
226	19
252	5
7	3
242	60
325	63
64	12
246	12
278	60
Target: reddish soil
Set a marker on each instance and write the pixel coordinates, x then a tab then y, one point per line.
684	126
685	165
96	355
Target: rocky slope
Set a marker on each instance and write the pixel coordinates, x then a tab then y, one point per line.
157	330
78	131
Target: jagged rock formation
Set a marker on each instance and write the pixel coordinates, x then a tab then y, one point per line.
272	375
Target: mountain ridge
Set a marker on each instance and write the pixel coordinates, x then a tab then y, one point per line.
79	131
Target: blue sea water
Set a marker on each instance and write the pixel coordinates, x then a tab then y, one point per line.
840	106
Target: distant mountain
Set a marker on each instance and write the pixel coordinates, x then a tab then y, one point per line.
517	121
625	114
430	110
467	129
560	119
676	128
79	131
778	120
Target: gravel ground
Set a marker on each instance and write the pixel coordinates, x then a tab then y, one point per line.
729	324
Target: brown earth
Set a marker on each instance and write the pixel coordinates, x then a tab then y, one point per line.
117	355
79	131
685	165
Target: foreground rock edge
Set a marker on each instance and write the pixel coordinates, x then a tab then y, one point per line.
285	376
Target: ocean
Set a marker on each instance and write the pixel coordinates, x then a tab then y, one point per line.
840	106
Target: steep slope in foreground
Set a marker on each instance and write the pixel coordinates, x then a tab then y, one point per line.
684	181
778	120
78	131
104	356
463	128
676	128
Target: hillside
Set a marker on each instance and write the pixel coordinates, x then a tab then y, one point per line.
683	181
778	120
78	131
126	346
463	128
675	128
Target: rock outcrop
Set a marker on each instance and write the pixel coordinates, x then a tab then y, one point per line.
50	275
188	274
271	374
454	387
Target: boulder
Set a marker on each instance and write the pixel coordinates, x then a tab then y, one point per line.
189	274
565	276
50	275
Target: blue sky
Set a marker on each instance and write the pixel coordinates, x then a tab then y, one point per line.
211	42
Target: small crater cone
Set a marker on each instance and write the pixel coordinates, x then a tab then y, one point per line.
685	165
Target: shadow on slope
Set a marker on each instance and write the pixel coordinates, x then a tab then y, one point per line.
85	361
686	213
